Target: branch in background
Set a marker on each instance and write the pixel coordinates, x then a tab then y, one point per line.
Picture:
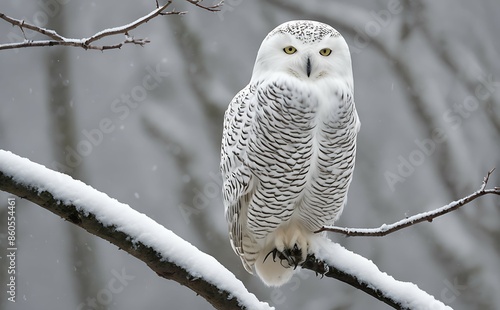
86	43
201	82
442	47
422	217
402	67
164	252
213	8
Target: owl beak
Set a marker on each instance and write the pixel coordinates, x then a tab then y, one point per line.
308	66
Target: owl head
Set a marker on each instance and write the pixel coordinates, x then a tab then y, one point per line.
306	50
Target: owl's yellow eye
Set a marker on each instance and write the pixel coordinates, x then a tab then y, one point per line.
290	50
325	52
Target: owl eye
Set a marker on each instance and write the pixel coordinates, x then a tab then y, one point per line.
290	50
325	52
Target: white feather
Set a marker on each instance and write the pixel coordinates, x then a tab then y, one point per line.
288	148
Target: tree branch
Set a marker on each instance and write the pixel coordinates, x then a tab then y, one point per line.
418	218
164	252
319	268
175	259
22	24
214	8
334	261
86	43
126	28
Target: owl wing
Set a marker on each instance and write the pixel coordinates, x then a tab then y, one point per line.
238	182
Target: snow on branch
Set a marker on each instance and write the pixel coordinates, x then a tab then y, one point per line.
333	260
418	218
174	258
164	252
87	43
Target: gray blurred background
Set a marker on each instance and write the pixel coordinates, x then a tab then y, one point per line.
427	90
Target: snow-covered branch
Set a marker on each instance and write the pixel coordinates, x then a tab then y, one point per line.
334	261
163	251
418	218
174	258
87	43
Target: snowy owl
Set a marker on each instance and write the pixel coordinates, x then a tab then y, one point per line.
288	148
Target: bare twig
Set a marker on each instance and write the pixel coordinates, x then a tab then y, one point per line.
213	8
86	43
126	28
22	24
422	217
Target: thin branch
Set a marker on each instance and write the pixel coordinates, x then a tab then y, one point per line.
213	8
126	28
41	43
418	218
22	24
86	43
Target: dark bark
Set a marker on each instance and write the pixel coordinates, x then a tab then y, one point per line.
220	299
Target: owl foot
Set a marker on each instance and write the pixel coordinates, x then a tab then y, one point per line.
318	266
288	257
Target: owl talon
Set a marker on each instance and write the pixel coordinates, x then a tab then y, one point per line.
274	251
292	257
323	269
319	266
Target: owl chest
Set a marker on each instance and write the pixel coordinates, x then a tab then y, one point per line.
294	131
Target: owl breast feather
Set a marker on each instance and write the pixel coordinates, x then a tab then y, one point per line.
302	148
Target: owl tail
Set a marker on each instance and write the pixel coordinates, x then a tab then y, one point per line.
270	269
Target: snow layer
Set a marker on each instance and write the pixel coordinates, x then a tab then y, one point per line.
140	227
174	249
406	293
